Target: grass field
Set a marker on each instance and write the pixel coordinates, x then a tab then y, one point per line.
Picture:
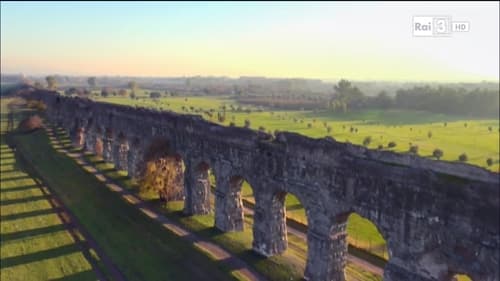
452	134
35	244
141	248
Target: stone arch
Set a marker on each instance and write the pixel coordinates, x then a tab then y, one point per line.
229	209
99	142
198	181
270	223
134	157
120	151
107	139
364	234
163	170
76	132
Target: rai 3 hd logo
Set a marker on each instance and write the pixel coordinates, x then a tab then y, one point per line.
437	26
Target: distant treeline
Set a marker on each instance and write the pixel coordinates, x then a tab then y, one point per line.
479	102
446	100
285	102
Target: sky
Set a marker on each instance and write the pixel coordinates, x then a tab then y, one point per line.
358	41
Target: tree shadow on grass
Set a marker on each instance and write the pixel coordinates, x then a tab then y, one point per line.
40	255
33	232
24	200
79	276
18	188
13	178
30	214
297	206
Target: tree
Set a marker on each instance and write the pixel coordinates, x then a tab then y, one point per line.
31	123
347	96
429	134
92	81
38	85
438	153
155	95
414	149
383	100
122	92
367	141
247	123
132	85
380	146
132	95
489	162
51	82
463	157
84	93
106	92
70	91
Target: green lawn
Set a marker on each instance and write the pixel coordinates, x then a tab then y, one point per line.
35	244
140	247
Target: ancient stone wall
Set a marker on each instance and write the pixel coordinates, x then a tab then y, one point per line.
438	218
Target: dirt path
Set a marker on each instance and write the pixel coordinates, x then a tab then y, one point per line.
215	251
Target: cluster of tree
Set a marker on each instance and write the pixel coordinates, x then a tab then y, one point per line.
81	92
285	102
479	102
347	97
449	101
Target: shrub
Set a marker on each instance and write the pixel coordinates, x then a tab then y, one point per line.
122	92
445	124
329	129
380	146
438	153
490	128
414	149
262	129
463	157
391	144
429	134
309	125
154	95
247	123
465	125
231	124
367	141
31	123
38	105
489	161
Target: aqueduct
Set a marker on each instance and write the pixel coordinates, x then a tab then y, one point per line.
438	218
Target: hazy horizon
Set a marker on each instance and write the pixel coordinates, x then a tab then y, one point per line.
327	41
